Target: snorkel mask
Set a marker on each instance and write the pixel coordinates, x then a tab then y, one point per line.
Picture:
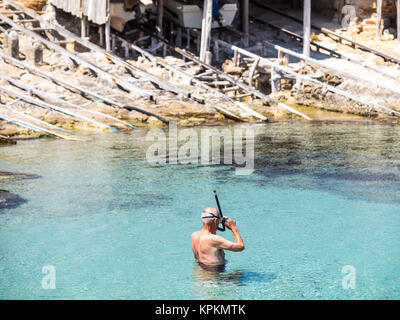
220	217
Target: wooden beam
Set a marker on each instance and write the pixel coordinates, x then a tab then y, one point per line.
340	8
108	28
398	21
378	19
160	14
307	27
206	29
244	11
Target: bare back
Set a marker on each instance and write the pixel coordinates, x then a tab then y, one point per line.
205	248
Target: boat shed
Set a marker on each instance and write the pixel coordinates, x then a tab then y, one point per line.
96	11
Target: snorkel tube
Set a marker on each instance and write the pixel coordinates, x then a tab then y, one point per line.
222	218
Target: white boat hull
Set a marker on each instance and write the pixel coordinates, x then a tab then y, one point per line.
191	15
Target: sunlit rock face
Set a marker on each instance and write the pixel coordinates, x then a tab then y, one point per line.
34	4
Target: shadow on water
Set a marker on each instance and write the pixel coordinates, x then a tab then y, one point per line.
216	282
139	200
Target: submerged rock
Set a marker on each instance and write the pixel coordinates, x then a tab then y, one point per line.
6	141
9	200
12	176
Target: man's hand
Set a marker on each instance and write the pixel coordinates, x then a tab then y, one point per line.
230	223
222	243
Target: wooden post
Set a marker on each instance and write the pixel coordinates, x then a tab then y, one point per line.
340	8
108	28
398	21
244	12
206	29
160	14
378	19
307	27
37	53
101	36
188	38
13	44
84	26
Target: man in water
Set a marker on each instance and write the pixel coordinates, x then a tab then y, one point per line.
208	248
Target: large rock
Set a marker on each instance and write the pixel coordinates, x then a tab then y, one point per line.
9	200
6	141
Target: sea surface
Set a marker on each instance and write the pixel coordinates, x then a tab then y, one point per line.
320	217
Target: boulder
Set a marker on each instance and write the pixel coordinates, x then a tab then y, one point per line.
9	200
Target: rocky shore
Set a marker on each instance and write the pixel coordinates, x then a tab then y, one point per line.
313	100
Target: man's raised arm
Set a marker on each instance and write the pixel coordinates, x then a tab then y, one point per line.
222	243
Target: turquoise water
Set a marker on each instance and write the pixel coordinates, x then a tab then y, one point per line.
323	195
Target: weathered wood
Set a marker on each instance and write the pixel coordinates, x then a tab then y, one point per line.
282	69
345	73
108	28
46	105
244	12
48	97
252	71
78	59
124	84
84	26
202	85
243	86
330	33
70	85
23	114
160	14
206	29
340	9
331	52
37	53
33	127
398	21
12	48
307	27
378	19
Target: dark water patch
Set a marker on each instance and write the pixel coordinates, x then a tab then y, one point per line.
9	200
6	176
131	202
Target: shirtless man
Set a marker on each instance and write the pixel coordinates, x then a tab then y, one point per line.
208	248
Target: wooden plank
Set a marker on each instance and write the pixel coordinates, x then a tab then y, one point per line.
378	19
201	84
115	59
398	21
160	14
244	8
43	95
310	79
331	52
242	85
33	127
345	73
108	28
124	84
328	32
82	90
23	114
306	27
46	105
206	29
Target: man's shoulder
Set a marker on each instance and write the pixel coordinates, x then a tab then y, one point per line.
196	234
